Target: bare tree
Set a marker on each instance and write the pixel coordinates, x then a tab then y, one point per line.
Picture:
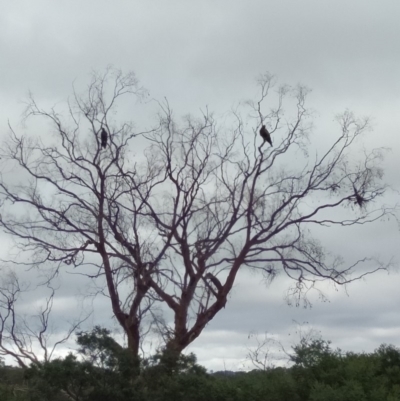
268	349
27	338
261	354
175	226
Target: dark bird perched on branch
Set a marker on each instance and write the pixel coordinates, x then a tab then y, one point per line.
103	138
265	134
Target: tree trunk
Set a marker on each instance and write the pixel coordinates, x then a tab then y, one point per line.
133	336
170	356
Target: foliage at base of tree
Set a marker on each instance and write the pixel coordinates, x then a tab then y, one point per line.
105	371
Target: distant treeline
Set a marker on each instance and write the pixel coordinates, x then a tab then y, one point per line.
106	372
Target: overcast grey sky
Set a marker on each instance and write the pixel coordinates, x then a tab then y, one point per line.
208	53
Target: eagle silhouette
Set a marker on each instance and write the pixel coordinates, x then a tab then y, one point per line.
104	136
265	134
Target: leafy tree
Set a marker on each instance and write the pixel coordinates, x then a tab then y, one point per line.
388	360
99	347
176	225
99	376
105	373
324	374
311	352
61	379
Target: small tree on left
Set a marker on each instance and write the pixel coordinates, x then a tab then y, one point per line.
67	206
28	339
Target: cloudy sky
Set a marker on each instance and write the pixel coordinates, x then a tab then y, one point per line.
208	53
